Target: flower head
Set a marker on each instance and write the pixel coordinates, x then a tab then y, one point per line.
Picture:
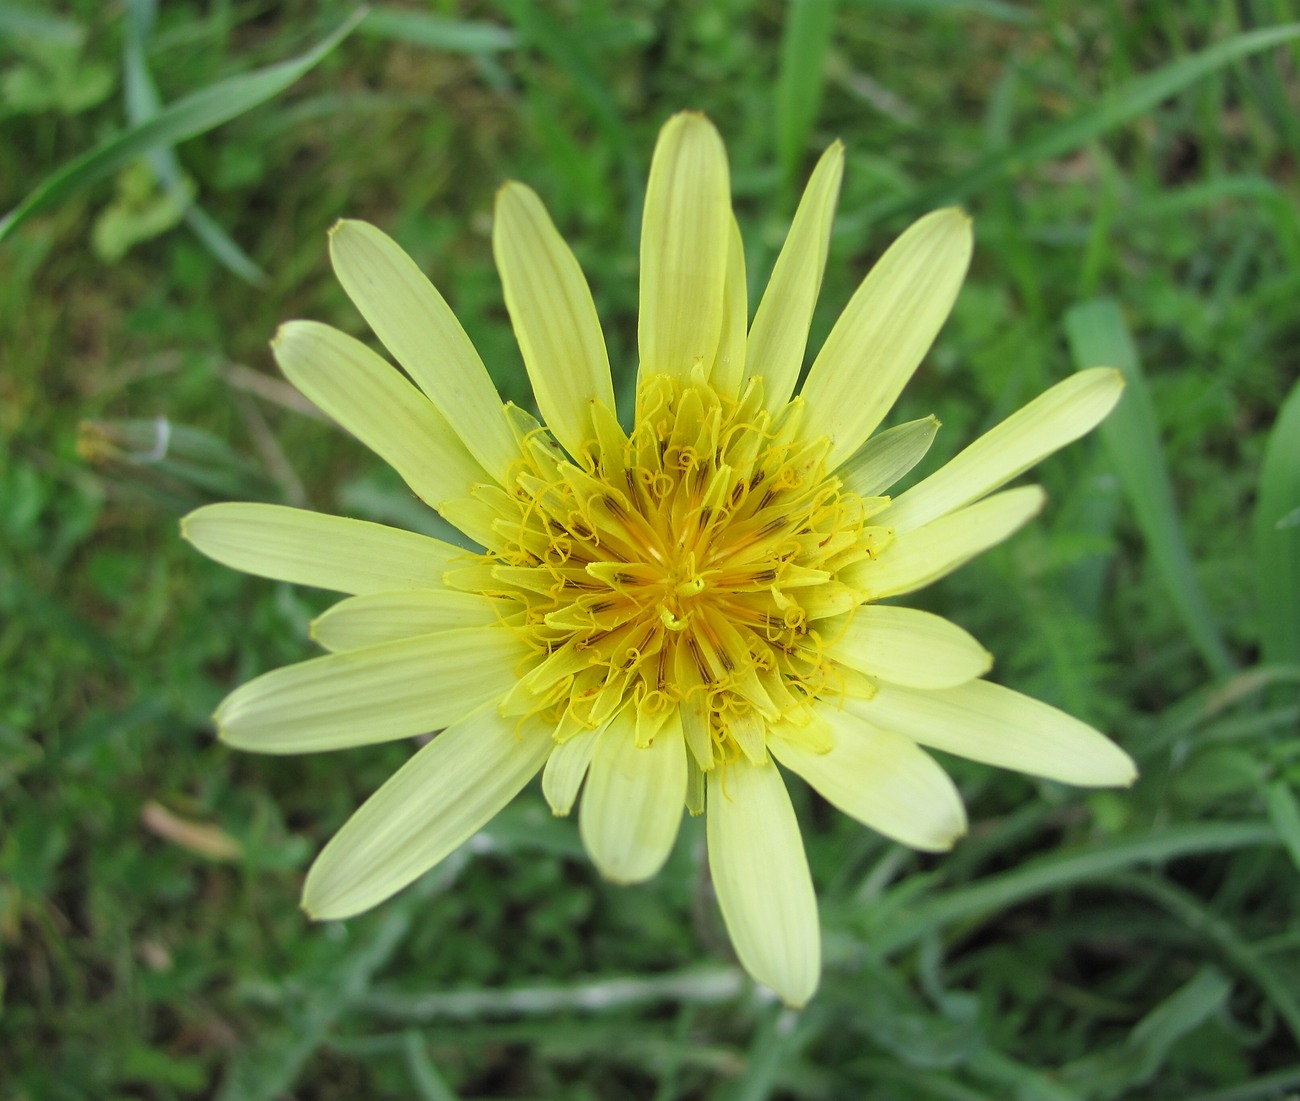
667	612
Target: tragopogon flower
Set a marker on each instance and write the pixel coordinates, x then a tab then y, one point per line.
665	612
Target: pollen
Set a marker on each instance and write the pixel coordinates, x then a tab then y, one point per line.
686	565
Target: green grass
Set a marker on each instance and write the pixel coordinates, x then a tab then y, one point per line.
1080	946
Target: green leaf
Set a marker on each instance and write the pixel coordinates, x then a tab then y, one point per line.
53	76
139	212
1099	337
1277	538
196	114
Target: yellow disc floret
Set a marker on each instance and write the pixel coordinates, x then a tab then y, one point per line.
683	567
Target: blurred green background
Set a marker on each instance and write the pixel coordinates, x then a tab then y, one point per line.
1132	170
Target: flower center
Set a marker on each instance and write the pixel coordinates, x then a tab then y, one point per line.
684	567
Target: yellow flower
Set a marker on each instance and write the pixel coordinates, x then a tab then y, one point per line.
664	612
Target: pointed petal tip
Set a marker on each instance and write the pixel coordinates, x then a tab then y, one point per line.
348	228
1116	379
338	225
1037	493
690	117
1111	767
1125	771
286	330
945	840
956	223
622	879
690	122
311	904
832	159
797	995
512	191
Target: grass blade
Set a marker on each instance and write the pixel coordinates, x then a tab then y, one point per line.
1037	877
992	9
1122	105
1284	813
776	1042
438	33
1015	1079
800	80
1200	918
1142	1055
22	22
1098	337
196	114
1264	1088
1277	538
429	1083
696	986
271	1065
142	104
540	30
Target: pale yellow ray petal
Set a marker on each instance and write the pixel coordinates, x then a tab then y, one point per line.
918	558
887	456
882	779
311	548
362	621
729	364
372	400
357	697
553	315
887	327
779	335
986	722
433	804
906	646
565	769
415	323
634	799
1053	419
761	877
685	234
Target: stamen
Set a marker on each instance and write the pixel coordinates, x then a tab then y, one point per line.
678	570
